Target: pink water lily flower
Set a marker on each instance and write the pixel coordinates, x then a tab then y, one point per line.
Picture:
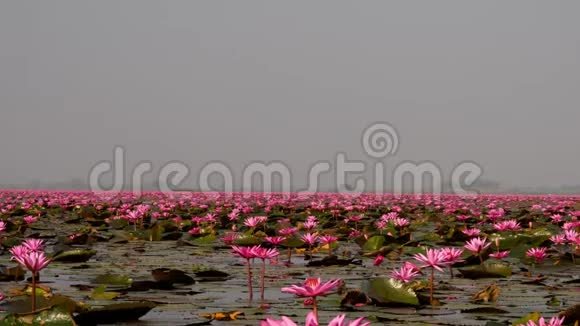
435	259
276	240
471	232
309	238
264	253
340	321
328	238
539	254
500	254
313	287
477	245
312	320
555	321
452	255
34	261
405	274
285	321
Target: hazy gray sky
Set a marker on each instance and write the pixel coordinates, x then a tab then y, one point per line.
494	82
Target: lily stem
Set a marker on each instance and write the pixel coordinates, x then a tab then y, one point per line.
250	281
431	285
33	292
263	276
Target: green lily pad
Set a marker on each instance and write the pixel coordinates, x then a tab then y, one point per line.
534	316
390	291
171	276
101	294
374	243
115	313
51	317
519	243
155	232
292	242
8	274
210	238
113	279
247	240
490	269
23	306
75	255
211	275
120	237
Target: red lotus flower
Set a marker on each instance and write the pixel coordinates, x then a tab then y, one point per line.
477	245
33	261
471	232
244	252
500	254
539	254
285	321
405	274
264	253
275	240
327	239
312	320
434	259
313	287
452	255
309	238
555	321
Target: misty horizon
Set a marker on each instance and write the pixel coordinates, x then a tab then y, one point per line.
493	83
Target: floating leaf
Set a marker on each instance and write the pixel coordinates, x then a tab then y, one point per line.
390	291
171	276
75	255
51	317
489	294
8	274
155	232
41	290
101	294
355	298
374	243
211	275
210	238
292	242
484	310
534	316
223	316
490	269
519	243
247	240
22	306
113	279
120	237
115	313
333	260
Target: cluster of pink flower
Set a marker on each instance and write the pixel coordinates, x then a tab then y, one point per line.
555	321
31	256
249	253
311	289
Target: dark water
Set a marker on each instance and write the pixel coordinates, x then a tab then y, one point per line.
178	307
